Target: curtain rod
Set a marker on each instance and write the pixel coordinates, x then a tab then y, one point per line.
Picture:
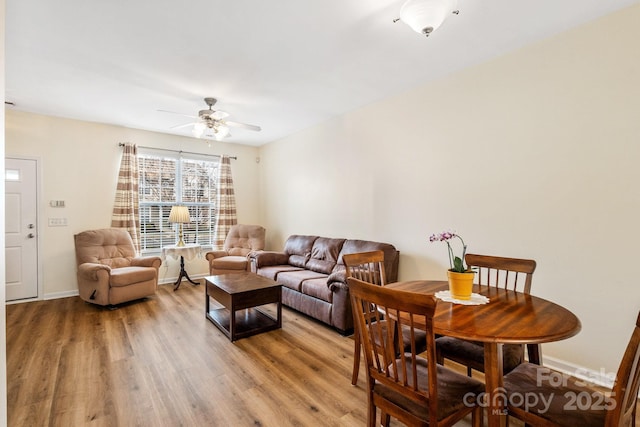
121	144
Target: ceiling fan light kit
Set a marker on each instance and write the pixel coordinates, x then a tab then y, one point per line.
211	123
425	16
217	132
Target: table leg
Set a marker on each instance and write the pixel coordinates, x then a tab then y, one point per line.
496	398
279	311
183	273
207	300
232	320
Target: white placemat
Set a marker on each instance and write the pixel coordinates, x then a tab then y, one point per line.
476	299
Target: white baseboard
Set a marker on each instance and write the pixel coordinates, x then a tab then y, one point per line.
20	301
75	293
600	378
65	294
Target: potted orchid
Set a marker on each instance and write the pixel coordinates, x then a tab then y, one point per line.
460	277
456	263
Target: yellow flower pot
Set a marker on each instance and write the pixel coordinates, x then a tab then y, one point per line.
460	284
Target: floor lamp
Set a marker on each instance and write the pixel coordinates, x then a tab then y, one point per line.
180	215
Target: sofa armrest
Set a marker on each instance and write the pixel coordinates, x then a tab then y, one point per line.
253	254
89	270
147	261
211	255
265	258
336	280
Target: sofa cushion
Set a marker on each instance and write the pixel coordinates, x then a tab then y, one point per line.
298	260
230	263
109	246
324	254
243	239
299	249
294	279
272	271
126	276
318	288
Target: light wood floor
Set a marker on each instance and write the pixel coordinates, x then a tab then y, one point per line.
159	362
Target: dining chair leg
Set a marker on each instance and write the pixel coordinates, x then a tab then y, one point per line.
476	416
371	414
439	356
356	358
534	353
385	419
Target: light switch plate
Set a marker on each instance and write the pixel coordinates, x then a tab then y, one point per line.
58	222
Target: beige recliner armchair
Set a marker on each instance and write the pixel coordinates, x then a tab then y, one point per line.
109	272
241	241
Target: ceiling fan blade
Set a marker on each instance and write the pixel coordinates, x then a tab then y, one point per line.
182	125
219	115
242	126
180	114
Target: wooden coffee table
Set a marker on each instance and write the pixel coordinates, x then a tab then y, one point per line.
241	295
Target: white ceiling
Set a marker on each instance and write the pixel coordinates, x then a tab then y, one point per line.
284	65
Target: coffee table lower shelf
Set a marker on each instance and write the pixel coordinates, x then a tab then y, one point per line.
242	301
249	321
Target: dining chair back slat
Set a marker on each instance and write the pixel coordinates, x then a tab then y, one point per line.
506	273
366	266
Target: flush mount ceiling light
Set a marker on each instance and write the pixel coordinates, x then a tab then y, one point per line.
425	16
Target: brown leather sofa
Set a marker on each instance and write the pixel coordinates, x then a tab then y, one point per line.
109	272
241	240
313	276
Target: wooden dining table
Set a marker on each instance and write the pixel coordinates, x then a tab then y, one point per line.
509	317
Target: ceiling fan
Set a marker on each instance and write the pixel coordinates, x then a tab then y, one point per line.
212	123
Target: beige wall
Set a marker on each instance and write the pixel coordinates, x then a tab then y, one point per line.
530	155
79	162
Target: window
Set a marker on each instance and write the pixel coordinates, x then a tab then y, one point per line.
169	179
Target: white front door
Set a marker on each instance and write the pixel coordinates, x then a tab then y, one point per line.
21	243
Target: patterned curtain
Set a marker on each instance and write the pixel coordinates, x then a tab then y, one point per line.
125	208
226	205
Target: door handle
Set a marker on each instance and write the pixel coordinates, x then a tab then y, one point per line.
31	235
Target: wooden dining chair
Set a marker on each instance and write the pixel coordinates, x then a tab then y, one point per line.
369	267
411	388
507	273
557	399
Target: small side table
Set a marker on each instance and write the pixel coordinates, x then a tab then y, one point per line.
188	251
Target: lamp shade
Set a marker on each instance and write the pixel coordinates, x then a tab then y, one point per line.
198	129
425	16
220	132
179	214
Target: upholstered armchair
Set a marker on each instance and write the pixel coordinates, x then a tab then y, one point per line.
109	272
241	241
